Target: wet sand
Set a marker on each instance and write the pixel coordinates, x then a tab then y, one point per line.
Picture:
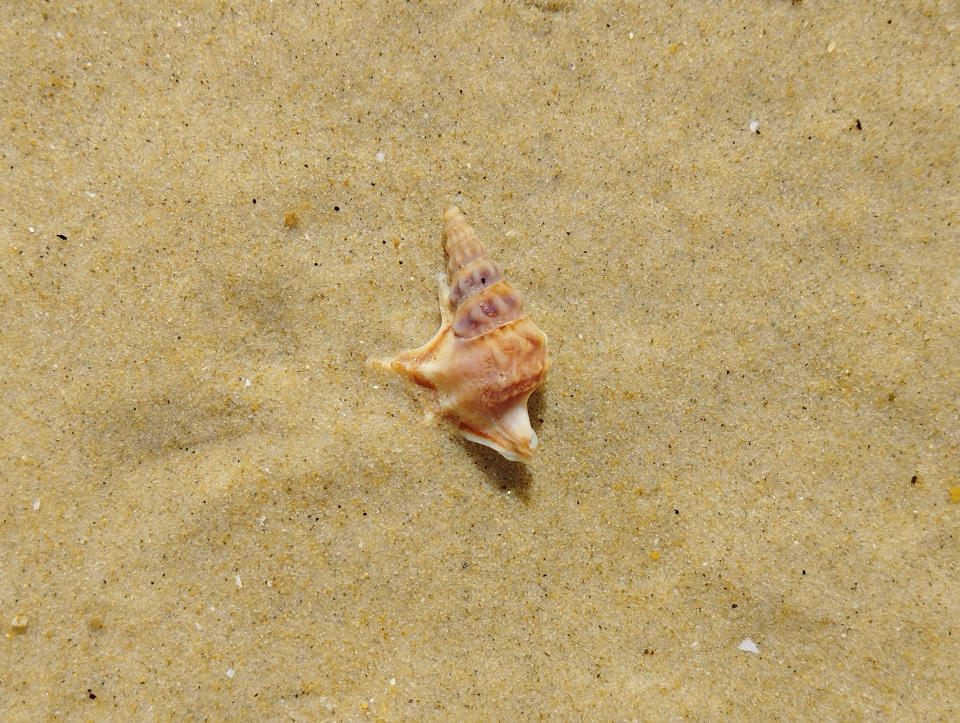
737	227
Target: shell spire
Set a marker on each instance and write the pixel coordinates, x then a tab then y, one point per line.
488	356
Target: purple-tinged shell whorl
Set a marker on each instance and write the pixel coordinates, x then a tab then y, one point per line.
479	297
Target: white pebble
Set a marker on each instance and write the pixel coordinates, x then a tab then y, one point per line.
380	157
748	646
754	125
19	623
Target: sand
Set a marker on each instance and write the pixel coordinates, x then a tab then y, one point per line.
738	227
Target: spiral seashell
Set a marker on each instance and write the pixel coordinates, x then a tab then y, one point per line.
488	356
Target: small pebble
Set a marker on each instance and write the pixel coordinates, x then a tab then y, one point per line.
748	646
19	623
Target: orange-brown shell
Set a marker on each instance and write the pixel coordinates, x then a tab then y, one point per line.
488	356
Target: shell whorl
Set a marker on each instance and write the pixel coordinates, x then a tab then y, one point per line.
480	298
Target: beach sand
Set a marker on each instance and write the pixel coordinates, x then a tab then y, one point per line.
738	227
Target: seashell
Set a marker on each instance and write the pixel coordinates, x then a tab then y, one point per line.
488	356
